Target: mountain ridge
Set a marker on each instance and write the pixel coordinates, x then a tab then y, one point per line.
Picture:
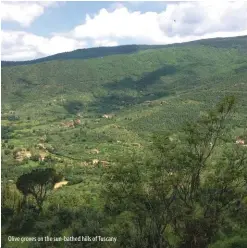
97	52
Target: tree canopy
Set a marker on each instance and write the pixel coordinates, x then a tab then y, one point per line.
184	195
37	183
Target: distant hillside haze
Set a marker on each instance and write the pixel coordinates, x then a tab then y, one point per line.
98	52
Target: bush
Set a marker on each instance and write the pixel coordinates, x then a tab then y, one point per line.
7	152
75	181
48	159
35	157
235	242
42	163
11	147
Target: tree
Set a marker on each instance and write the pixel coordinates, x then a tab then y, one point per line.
209	176
186	190
37	183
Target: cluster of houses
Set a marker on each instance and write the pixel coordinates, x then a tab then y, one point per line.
107	116
22	154
72	123
96	162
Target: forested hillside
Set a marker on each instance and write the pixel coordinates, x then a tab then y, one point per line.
143	138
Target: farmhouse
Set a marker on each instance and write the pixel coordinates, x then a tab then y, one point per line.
240	141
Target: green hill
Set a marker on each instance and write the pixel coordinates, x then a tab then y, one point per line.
142	89
146	90
187	77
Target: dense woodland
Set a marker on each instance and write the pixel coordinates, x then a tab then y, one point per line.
145	144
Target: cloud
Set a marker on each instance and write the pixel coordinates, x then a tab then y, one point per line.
23	12
118	24
19	45
202	18
179	22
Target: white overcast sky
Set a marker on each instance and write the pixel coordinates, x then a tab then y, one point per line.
36	29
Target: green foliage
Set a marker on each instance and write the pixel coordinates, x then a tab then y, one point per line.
11	146
234	242
73	107
7	152
37	183
183	188
6	132
35	157
184	193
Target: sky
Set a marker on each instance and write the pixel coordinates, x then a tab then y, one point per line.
31	30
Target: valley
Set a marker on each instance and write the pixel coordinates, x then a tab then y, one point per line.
82	116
